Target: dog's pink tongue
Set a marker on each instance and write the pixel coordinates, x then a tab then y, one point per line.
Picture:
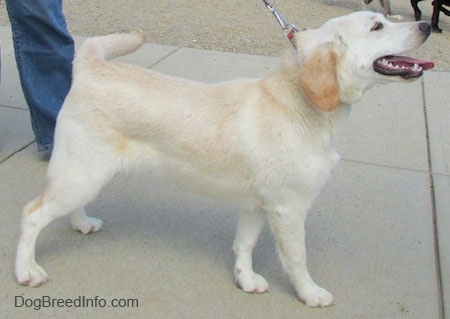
426	65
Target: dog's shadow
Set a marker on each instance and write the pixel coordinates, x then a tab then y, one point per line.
160	226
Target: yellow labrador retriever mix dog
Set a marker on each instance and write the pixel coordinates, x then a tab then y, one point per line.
267	145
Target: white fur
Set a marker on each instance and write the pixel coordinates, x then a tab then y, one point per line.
267	145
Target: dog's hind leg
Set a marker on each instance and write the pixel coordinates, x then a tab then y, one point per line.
247	234
71	184
83	223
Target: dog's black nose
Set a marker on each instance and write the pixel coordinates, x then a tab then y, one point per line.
425	27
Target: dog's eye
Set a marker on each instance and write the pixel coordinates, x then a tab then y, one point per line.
377	26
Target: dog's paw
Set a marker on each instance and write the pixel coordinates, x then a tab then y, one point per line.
251	282
31	275
315	296
86	224
396	17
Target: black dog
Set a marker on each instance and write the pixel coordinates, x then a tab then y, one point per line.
438	7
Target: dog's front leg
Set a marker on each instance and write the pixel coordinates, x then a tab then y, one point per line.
289	231
247	234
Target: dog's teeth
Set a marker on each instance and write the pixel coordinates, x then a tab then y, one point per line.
416	67
383	62
389	65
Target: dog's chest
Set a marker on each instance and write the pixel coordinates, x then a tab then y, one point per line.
298	154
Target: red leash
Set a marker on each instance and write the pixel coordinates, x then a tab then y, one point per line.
288	28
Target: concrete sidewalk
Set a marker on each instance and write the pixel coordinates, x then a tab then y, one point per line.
378	236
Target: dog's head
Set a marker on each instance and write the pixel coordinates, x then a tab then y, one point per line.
349	54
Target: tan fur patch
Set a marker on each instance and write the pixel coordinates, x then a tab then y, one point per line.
319	81
35	204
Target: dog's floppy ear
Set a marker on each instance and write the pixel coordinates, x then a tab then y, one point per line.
318	78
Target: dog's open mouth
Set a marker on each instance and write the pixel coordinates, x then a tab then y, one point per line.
403	66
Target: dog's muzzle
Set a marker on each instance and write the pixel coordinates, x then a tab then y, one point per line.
403	66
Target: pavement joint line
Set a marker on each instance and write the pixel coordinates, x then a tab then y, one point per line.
441	174
15	108
384	165
176	49
434	216
16	151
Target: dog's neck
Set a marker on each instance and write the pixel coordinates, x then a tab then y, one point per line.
284	89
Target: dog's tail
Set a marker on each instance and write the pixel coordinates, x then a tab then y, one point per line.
109	46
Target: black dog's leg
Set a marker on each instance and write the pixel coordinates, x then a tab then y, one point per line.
445	10
417	12
437	7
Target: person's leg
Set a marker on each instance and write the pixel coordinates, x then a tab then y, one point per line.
44	53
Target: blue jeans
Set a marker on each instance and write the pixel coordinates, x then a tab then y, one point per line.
44	52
